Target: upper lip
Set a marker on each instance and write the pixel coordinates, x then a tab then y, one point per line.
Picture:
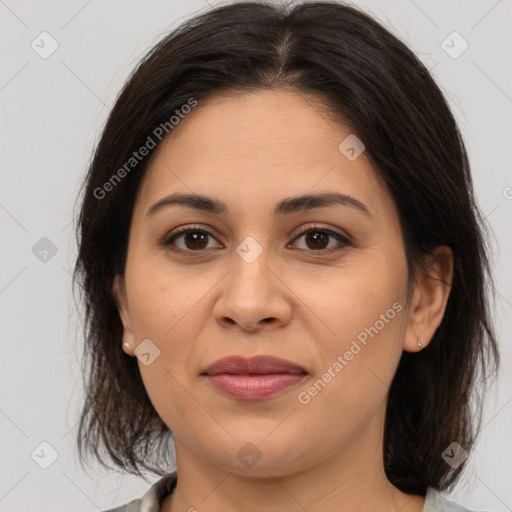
258	365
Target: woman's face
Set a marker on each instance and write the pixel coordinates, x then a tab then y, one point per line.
247	281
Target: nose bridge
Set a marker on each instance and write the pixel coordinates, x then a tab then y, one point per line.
251	275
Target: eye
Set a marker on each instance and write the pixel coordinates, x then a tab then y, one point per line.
191	239
316	239
319	238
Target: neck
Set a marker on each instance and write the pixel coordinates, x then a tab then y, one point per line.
352	479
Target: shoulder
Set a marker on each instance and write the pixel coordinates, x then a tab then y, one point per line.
153	498
132	506
435	502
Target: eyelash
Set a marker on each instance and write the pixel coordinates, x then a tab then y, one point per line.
344	241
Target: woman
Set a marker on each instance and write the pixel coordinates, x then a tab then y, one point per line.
284	271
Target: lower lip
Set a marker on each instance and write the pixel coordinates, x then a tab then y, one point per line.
254	387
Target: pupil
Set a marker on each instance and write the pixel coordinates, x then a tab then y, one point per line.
194	239
318	239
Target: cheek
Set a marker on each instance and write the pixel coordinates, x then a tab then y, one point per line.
365	315
358	365
168	308
161	299
354	299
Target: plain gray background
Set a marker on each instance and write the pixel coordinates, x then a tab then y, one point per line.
52	111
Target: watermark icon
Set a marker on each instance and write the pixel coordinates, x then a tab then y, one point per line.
454	455
507	193
249	455
304	397
44	250
454	45
352	147
44	45
137	156
147	352
249	250
44	455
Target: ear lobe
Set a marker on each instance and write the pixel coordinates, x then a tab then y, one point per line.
119	293
429	298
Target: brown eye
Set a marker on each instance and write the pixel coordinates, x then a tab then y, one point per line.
195	240
317	239
190	240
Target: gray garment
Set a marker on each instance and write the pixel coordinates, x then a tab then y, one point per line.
151	501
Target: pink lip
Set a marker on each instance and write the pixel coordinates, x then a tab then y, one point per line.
256	378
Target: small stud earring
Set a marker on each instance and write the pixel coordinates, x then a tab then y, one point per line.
419	343
126	345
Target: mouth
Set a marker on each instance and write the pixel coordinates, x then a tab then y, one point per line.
257	365
255	378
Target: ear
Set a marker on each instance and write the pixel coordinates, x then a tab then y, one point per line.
429	298
119	292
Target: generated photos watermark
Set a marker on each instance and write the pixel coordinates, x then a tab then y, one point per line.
304	397
137	156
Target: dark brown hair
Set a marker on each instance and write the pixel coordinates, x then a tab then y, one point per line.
374	81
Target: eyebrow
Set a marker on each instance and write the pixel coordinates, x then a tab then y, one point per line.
286	206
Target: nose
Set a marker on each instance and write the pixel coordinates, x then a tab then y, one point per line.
253	297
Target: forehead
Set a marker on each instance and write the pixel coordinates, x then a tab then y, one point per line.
249	146
263	124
